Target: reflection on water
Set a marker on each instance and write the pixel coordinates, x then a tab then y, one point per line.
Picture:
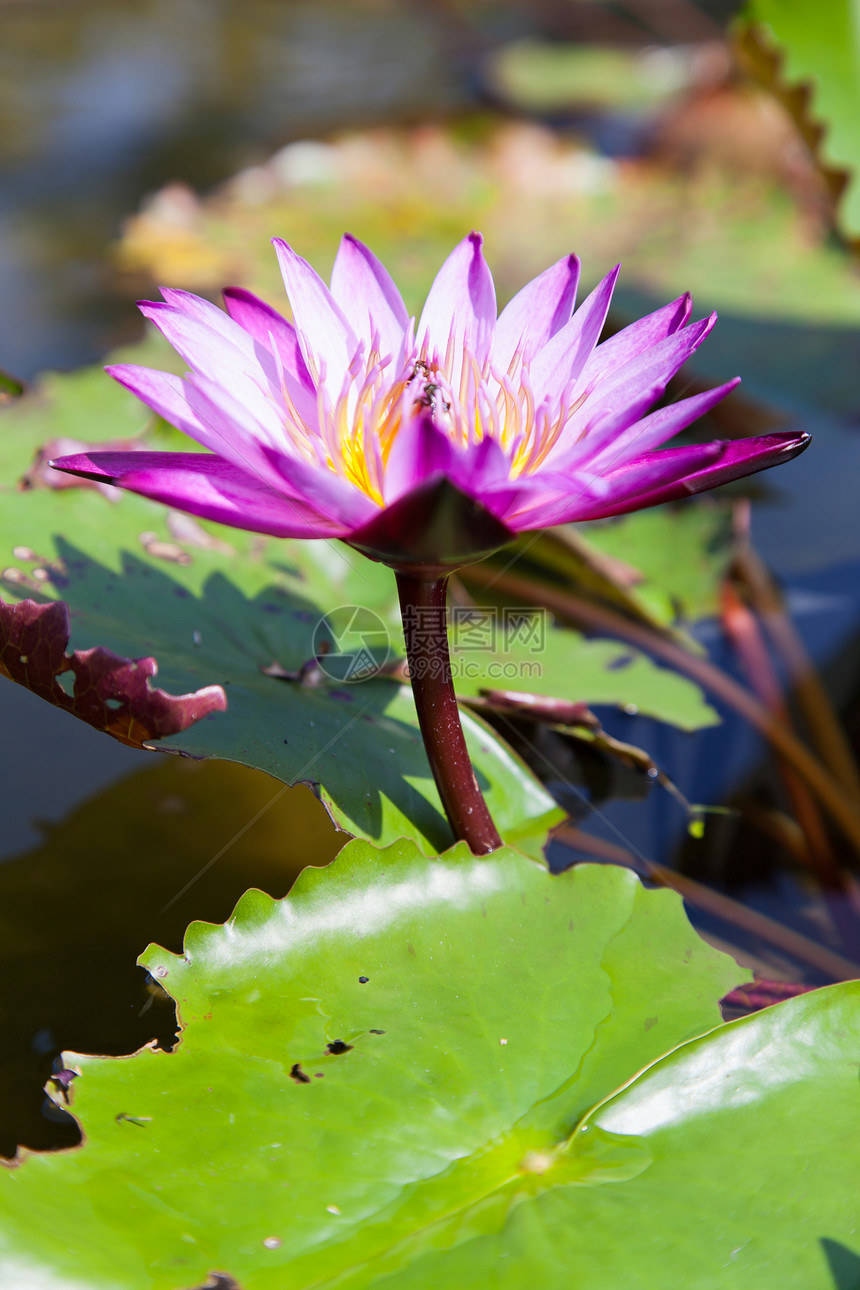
174	841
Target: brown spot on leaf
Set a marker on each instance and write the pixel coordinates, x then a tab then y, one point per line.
160	550
297	1074
219	1281
337	1046
104	689
651	1021
186	529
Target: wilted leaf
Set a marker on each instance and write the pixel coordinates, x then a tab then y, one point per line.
108	692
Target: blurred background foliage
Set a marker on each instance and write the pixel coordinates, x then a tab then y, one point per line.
623	128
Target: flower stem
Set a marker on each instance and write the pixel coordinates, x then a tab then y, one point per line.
425	626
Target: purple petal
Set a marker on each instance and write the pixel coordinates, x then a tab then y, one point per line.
673	473
655	429
237	434
564	356
482	465
328	493
460	308
537	312
226	356
619	349
273	459
209	414
270	328
483	471
421	451
166	394
328	342
203	485
618	402
366	293
185	302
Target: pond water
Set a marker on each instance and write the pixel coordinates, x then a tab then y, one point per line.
101	104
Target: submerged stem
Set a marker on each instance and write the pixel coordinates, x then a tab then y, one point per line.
425	626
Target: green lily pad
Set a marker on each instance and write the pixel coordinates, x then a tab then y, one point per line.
631	563
536	76
726	1164
668	588
555	662
192	837
389	1049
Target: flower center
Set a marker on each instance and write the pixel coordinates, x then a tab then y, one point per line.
356	432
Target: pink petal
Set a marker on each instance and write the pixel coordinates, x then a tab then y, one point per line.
460	308
655	429
185	302
672	473
166	394
420	452
271	329
619	401
537	312
227	356
328	342
564	356
366	293
207	413
203	485
276	462
268	327
619	349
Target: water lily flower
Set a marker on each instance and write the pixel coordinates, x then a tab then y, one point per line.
424	446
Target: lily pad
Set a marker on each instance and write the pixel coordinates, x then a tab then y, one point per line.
668	588
378	1057
725	1164
193	836
537	658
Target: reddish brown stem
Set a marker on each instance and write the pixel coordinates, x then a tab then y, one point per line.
425	626
742	630
813	701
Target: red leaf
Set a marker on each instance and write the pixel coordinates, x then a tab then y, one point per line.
110	692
